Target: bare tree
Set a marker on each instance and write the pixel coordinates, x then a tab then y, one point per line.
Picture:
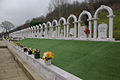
7	25
57	3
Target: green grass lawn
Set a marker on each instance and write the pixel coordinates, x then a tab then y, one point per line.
85	59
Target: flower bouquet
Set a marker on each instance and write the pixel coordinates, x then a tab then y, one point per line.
30	51
25	49
47	56
70	35
16	43
36	53
42	35
87	31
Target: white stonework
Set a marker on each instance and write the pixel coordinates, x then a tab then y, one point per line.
54	34
75	24
82	33
77	31
102	31
71	34
90	22
110	16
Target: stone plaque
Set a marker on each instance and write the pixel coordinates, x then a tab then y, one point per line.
82	33
54	34
102	31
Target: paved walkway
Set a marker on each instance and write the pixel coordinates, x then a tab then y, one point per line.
9	69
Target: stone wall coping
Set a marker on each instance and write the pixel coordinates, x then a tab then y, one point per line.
51	68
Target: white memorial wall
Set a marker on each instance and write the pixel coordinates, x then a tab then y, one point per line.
46	30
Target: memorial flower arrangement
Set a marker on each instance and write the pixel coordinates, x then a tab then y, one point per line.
16	43
25	49
29	51
42	35
87	31
36	53
71	35
47	56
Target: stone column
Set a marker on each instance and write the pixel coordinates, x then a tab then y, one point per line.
95	28
90	27
111	26
75	28
51	31
64	30
46	32
58	31
79	25
41	31
68	29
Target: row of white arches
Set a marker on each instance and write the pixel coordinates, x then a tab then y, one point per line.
39	30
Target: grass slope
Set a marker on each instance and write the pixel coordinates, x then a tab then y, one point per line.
85	59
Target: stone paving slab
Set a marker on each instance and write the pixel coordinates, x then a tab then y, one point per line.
9	69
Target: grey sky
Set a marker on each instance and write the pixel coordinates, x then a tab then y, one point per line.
18	11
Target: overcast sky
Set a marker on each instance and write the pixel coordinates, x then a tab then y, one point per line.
18	11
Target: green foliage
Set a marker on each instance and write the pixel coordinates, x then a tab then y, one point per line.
36	22
85	59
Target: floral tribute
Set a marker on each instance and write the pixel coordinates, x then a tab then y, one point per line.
36	53
47	56
16	43
87	31
70	35
25	49
30	51
42	35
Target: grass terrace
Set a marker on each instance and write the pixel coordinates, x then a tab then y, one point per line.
86	59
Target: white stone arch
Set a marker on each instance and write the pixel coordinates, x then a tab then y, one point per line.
54	22
34	29
75	24
56	25
31	31
44	27
49	25
64	24
37	29
89	19
111	16
40	30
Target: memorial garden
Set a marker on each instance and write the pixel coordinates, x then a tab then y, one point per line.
90	51
88	60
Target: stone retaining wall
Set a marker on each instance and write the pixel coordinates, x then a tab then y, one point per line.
47	72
